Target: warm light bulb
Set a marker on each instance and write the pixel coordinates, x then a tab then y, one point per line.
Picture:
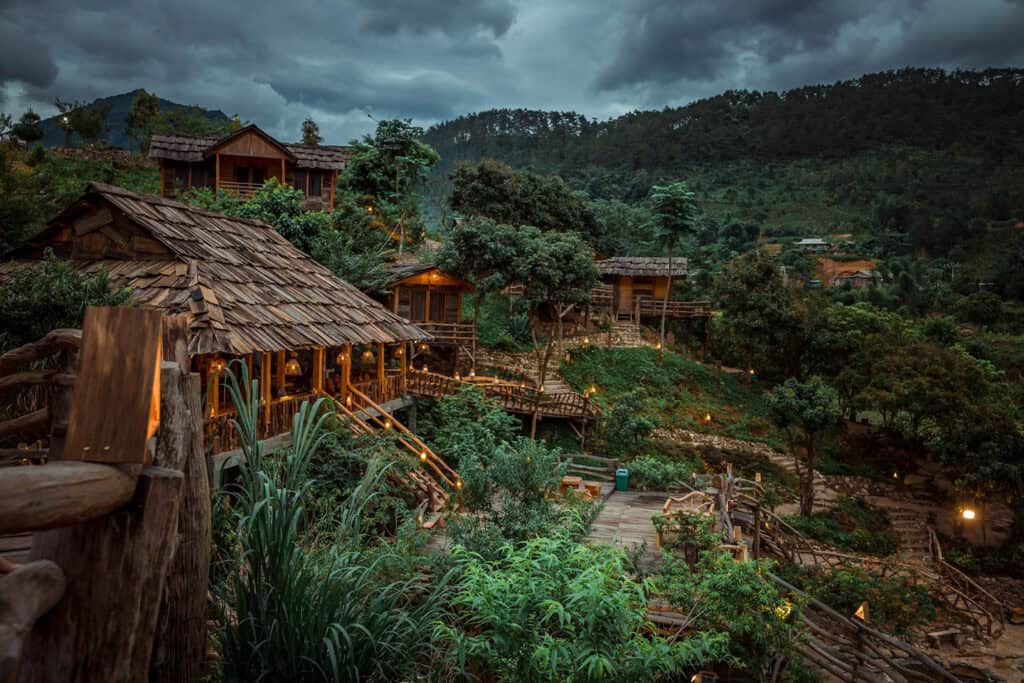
423	456
387	424
458	483
586	341
968	513
472	372
457	377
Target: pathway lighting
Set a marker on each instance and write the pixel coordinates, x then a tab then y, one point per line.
458	484
458	377
387	424
968	513
586	341
472	372
707	418
423	456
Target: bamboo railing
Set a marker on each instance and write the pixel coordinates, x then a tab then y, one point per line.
513	397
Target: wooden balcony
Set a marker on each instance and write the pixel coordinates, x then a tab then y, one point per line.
651	307
243	190
449	333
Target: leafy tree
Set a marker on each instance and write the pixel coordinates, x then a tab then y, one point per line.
142	119
48	295
387	169
675	217
85	120
467	424
484	253
621	229
558	271
803	410
311	132
194	121
981	308
20	210
28	129
769	323
556	610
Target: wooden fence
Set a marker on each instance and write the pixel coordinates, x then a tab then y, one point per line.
116	582
513	397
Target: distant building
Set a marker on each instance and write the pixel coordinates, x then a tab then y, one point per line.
243	160
813	245
858	279
858	274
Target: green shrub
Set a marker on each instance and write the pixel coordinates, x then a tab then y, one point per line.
552	609
853	524
624	429
660	473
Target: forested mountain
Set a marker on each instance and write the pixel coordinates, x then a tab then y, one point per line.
846	156
113	130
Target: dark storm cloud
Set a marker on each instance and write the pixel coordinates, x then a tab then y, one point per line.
276	63
454	17
783	43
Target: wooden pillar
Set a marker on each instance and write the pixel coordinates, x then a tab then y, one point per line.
216	173
334	179
265	386
394	300
189	177
405	360
380	365
279	371
346	371
318	369
213	389
426	311
282	171
163	182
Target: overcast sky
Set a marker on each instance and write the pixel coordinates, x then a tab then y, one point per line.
275	63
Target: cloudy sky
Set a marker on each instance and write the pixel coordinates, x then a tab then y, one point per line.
275	63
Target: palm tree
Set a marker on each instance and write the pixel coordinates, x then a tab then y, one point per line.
675	218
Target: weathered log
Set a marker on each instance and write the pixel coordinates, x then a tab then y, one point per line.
116	567
35	422
31	378
60	494
180	649
26	593
37	350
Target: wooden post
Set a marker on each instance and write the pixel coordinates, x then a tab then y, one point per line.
163	183
59	405
380	367
213	397
405	360
426	309
318	369
346	372
334	180
282	171
116	567
757	532
268	393
279	371
611	312
180	650
216	174
394	300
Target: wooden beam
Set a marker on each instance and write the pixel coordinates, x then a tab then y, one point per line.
116	568
346	371
60	494
213	390
163	182
394	299
406	350
279	371
426	305
318	369
268	392
380	364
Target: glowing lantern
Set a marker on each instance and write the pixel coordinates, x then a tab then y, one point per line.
387	424
423	456
368	356
292	367
340	360
218	365
968	513
472	372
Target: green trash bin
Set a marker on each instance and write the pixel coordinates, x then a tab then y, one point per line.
621	479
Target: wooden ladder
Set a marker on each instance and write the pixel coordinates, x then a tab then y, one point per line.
434	479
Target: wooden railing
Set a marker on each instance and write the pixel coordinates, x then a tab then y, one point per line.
243	190
221	435
449	333
392	387
649	307
513	397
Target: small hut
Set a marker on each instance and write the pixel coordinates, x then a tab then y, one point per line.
248	294
635	285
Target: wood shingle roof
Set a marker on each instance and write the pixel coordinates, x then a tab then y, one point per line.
246	288
642	266
195	149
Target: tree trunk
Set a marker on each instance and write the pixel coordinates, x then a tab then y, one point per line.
180	651
664	302
807	481
116	567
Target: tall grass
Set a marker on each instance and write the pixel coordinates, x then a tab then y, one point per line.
297	610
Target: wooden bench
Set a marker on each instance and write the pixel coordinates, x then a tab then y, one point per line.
949	635
569	482
593	488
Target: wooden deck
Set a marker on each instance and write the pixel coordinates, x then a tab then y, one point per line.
626	522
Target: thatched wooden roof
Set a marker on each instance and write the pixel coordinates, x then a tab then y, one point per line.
246	288
642	266
194	149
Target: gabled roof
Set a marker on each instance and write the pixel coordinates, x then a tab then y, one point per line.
642	266
194	149
244	286
423	274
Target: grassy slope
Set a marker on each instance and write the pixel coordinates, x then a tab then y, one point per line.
676	391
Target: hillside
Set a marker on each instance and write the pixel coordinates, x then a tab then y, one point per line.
917	152
120	105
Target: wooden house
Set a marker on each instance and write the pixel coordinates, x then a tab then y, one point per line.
634	287
248	294
243	160
433	301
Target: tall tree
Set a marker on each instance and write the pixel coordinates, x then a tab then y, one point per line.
557	271
310	132
28	129
804	410
485	253
675	218
142	119
85	120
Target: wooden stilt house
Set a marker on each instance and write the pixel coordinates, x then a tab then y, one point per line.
249	296
634	287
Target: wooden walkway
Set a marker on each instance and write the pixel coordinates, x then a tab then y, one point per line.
626	522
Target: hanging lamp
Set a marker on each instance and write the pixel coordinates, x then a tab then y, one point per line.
292	367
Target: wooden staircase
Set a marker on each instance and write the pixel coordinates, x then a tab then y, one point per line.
431	477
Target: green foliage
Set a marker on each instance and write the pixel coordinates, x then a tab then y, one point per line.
622	229
311	132
48	295
896	604
981	308
142	119
624	429
20	213
294	610
503	323
194	121
853	524
483	252
556	267
686	529
28	129
733	598
466	425
84	120
661	473
551	609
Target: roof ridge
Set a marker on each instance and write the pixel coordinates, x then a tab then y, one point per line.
105	188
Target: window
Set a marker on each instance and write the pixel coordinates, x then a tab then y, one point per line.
241	174
404	302
316	181
451	307
437	306
300	180
259	175
419	305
